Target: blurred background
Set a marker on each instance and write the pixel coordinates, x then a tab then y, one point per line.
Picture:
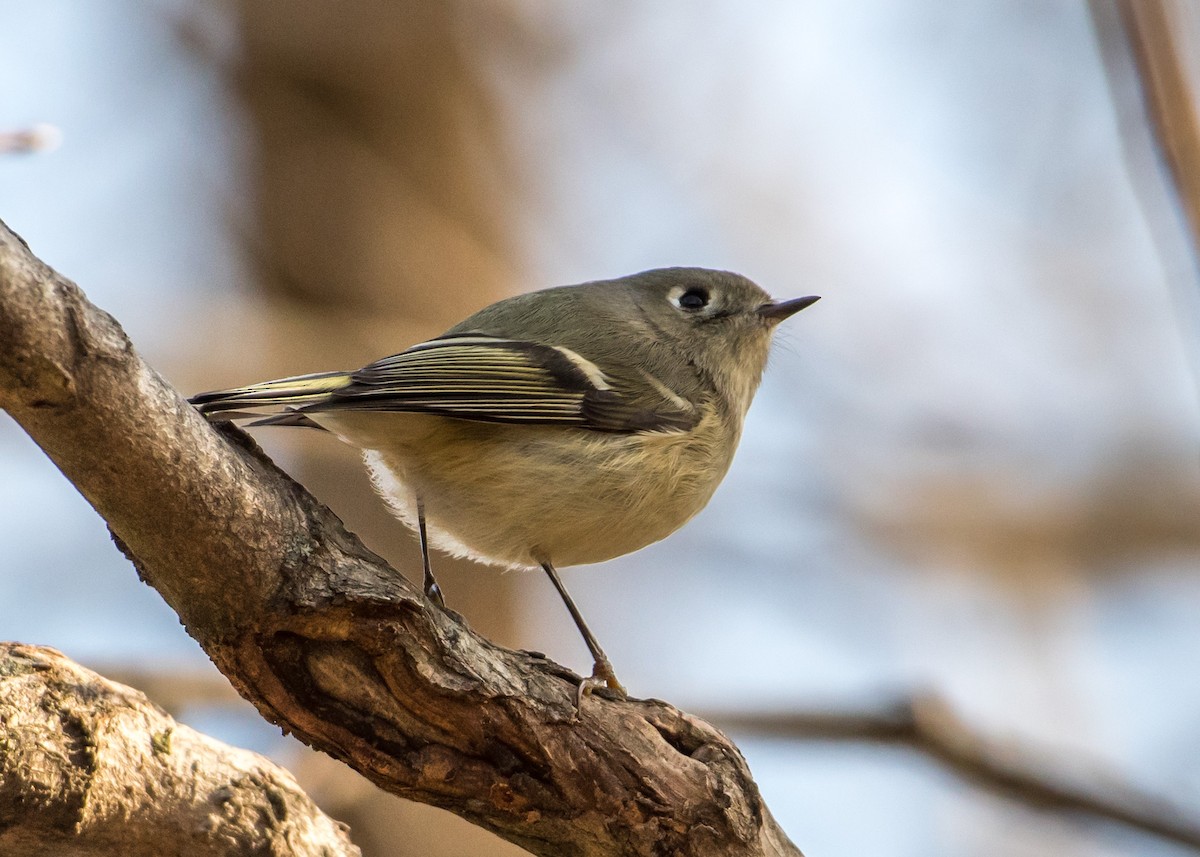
972	469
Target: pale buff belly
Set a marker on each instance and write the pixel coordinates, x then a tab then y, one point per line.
522	495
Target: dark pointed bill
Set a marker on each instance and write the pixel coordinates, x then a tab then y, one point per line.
777	311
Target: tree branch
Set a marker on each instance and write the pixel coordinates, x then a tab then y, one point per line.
1151	26
1039	778
928	725
328	641
90	767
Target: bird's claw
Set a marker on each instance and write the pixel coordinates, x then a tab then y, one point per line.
602	677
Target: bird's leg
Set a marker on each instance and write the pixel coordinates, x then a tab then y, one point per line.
432	591
602	671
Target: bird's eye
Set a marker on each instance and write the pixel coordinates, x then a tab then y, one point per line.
693	299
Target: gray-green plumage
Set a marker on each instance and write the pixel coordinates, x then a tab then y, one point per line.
554	428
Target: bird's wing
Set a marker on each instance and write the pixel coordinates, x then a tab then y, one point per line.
474	376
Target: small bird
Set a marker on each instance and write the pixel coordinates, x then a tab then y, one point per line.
561	427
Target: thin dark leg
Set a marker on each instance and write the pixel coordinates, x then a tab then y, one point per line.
602	671
432	591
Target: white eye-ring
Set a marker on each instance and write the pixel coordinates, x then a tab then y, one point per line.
690	299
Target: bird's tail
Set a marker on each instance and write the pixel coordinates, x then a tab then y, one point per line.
284	397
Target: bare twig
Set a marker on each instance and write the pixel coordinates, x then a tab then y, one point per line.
926	724
39	138
328	641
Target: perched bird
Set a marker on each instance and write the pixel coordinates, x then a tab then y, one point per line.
555	428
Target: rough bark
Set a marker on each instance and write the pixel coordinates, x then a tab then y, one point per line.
91	767
332	644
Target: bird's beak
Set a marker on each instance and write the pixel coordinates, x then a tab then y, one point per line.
777	311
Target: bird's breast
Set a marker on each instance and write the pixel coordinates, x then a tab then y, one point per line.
521	495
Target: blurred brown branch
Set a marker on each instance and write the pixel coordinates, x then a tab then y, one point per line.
1038	779
39	138
1159	38
334	645
89	767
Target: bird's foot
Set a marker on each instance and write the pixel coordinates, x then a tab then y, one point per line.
602	677
434	593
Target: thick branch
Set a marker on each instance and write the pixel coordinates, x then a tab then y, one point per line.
328	641
90	767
